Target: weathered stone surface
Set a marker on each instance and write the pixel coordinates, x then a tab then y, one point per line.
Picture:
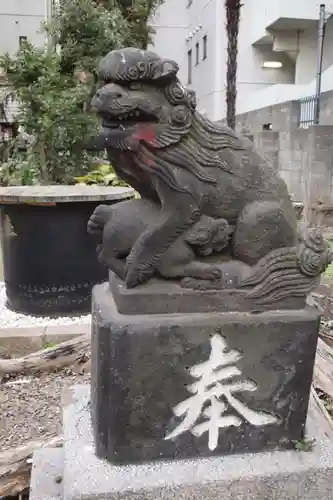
58	194
122	225
142	369
276	475
160	297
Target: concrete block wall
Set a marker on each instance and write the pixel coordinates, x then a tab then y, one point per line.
291	161
320	165
304	159
267	143
282	117
326	108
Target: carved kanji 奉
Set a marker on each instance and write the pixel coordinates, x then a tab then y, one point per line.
214	382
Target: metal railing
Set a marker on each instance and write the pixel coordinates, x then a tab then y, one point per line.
307	111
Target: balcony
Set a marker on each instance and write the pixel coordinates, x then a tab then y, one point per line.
285	15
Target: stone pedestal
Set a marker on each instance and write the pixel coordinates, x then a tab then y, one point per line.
177	385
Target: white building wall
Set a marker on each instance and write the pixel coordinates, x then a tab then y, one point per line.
306	63
251	76
294	9
177	19
205	79
257	86
171	27
174	22
209	77
305	74
268	11
21	18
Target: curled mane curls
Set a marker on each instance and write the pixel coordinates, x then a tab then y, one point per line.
192	146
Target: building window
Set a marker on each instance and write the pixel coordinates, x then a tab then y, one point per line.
189	67
22	40
204	54
197	53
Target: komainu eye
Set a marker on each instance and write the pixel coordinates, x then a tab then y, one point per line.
135	86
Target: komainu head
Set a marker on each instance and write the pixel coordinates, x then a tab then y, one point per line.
142	100
141	88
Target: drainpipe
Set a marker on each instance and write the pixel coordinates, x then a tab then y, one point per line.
47	15
50	6
320	49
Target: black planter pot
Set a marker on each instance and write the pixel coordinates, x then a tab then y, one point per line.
49	259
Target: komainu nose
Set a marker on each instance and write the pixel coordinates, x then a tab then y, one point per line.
109	91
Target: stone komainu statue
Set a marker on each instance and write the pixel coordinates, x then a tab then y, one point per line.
212	213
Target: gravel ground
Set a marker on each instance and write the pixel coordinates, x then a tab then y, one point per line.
10	319
30	407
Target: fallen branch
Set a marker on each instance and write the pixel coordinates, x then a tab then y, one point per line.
50	359
319	413
15	466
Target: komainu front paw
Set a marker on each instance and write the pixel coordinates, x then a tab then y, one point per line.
136	275
98	219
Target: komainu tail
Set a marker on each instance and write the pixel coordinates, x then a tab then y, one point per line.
289	271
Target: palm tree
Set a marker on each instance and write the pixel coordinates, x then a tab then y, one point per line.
137	14
232	10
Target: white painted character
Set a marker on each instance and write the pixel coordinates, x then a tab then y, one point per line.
215	387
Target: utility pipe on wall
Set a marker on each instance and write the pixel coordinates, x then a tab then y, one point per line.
320	49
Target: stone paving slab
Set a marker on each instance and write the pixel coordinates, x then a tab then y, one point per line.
46	474
45	330
22	340
277	475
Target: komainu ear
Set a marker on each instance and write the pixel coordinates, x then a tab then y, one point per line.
165	71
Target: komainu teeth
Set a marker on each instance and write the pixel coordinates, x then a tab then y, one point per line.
129	115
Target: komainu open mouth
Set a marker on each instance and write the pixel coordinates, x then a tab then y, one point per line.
127	119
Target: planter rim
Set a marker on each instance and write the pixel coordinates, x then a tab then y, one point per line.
62	194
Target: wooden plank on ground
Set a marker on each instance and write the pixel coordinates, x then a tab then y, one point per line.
323	371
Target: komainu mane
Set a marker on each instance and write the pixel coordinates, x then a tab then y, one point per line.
190	172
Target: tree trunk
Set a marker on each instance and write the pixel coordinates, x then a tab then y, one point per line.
232	10
43	163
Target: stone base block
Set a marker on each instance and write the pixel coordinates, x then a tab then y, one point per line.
277	475
198	384
168	297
